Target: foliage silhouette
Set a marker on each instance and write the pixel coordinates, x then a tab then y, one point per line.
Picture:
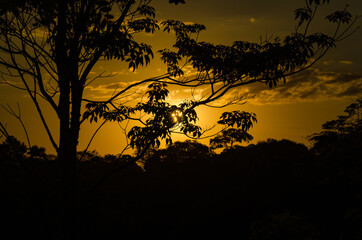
37	152
275	189
228	137
346	129
338	147
176	1
13	150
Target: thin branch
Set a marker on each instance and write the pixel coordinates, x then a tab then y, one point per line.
90	141
17	116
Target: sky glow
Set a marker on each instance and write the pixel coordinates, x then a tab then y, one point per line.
292	111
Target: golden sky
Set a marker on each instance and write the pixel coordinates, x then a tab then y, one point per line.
290	111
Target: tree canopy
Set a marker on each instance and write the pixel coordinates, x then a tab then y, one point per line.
53	46
228	137
346	129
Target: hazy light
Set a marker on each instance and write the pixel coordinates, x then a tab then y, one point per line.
176	115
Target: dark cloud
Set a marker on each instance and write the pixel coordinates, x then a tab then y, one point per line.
111	86
351	91
309	85
257	87
345	78
312	92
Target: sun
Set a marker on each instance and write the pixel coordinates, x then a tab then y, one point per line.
177	116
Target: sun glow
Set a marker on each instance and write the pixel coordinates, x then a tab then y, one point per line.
176	115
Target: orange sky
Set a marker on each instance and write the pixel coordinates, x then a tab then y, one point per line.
292	111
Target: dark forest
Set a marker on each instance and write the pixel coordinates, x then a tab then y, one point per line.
275	189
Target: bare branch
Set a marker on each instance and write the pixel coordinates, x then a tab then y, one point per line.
17	115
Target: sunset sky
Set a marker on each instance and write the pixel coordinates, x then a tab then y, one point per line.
291	111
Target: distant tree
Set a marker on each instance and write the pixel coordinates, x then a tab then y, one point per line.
51	47
11	149
176	1
36	152
346	129
186	154
283	226
228	137
88	156
192	149
338	172
338	149
285	164
338	146
111	157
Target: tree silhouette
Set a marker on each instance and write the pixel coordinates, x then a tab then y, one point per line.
228	137
186	154
36	152
12	150
346	128
52	46
337	156
176	1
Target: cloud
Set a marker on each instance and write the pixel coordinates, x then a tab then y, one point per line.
329	62
345	78
105	91
345	62
333	62
308	86
351	91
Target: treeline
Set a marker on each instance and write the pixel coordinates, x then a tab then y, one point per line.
275	189
271	190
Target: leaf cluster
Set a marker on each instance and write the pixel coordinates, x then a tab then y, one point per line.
237	125
340	17
96	111
161	122
241	119
268	61
228	137
345	128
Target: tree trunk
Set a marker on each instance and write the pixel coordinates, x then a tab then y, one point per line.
67	188
67	157
69	100
68	142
